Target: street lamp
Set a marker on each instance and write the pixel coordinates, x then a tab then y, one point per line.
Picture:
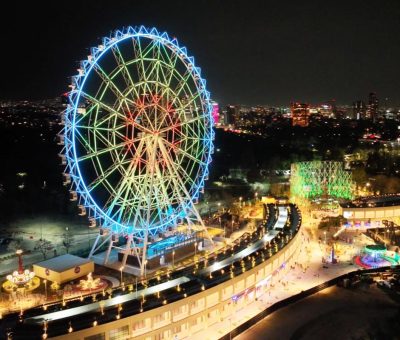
255	197
173	258
195	250
45	287
230	328
121	269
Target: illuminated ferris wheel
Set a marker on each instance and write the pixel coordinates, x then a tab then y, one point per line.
138	136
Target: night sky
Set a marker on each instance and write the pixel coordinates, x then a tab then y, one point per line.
251	52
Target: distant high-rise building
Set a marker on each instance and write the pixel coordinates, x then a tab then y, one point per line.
231	112
215	112
300	114
373	105
359	110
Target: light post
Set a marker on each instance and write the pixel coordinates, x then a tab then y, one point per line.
240	201
121	269
173	259
219	206
67	240
45	288
230	328
255	197
367	187
195	250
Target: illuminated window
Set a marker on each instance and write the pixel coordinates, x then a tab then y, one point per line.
160	317
177	329
121	333
100	336
139	325
161	336
180	310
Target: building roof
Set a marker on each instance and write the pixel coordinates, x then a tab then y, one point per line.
388	200
62	263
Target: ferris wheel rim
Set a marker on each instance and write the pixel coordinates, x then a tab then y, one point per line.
76	95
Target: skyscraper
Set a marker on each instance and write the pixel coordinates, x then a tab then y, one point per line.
359	110
373	105
300	114
231	112
215	112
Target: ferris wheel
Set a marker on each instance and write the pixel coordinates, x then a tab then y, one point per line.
138	136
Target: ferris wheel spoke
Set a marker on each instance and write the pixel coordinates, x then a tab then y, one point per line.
175	176
100	152
108	82
122	65
96	102
111	130
182	83
185	175
105	174
129	174
181	124
172	61
109	109
164	182
178	168
131	194
184	153
183	107
140	55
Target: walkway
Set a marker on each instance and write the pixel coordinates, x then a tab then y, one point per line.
334	313
306	272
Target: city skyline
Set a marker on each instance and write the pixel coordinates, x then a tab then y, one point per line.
203	167
282	52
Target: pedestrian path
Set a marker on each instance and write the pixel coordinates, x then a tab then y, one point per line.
303	273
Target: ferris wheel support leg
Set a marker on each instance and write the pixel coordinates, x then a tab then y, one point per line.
94	246
127	250
108	251
202	224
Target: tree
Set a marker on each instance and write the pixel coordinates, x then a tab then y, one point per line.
44	246
15	244
67	240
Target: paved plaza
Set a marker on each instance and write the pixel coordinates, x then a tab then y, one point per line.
303	272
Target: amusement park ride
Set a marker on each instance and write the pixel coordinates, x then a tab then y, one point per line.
137	144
